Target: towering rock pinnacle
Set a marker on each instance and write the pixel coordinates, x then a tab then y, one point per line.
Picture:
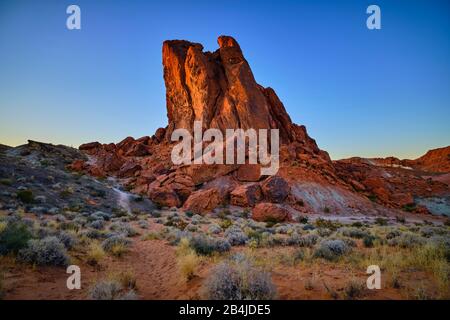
219	89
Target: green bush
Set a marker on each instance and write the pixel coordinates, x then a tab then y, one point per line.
26	196
14	237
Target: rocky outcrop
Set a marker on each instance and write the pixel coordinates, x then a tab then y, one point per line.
219	89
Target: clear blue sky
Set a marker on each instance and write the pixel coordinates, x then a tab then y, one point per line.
359	92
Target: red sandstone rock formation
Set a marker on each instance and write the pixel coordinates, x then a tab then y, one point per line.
219	89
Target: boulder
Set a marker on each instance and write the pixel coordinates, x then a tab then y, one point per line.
275	189
164	197
270	212
203	201
246	195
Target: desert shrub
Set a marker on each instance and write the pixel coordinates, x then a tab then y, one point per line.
205	245
214	229
324	232
13	237
392	234
187	259
67	239
354	289
353	232
328	224
308	240
196	219
225	223
129	295
282	229
71	225
152	235
187	265
381	221
118	250
357	224
110	290
331	249
143	224
126	278
95	254
123	228
113	241
97	224
254	235
235	236
94	234
406	240
26	196
430	231
442	242
237	281
47	251
368	241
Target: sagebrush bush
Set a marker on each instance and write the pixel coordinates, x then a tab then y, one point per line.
206	245
109	243
235	236
354	232
106	290
214	229
67	239
14	237
407	240
331	249
123	228
237	281
224	283
307	240
47	251
97	224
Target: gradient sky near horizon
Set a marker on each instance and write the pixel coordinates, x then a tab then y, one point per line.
359	92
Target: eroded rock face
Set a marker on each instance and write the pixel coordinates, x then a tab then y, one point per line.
219	89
